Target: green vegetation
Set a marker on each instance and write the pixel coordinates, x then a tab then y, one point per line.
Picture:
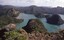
7	16
14	35
36	29
4	20
38	26
37	20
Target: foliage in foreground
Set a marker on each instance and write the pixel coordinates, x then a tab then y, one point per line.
14	35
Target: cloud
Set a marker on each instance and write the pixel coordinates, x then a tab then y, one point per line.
16	2
52	3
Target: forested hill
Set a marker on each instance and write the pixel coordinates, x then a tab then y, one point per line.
33	9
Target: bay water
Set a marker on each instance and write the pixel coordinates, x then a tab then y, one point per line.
49	27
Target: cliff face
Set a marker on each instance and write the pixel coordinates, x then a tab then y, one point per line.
34	25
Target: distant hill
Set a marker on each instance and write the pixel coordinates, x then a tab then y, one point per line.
37	11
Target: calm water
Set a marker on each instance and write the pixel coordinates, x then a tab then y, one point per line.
26	18
49	27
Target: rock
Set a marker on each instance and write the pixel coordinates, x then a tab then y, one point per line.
13	13
10	26
24	33
34	25
6	28
55	20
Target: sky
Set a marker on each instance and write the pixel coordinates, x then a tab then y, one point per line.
49	3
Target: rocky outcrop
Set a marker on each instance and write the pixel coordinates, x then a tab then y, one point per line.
55	19
46	36
13	13
24	33
34	25
10	26
34	35
7	28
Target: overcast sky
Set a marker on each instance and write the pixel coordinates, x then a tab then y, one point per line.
51	3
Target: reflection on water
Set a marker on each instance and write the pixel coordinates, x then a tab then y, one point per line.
49	27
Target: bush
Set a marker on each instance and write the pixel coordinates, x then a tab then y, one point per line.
14	35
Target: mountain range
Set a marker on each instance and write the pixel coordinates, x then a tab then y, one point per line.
33	9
